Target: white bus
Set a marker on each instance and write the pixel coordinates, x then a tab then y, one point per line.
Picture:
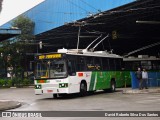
67	72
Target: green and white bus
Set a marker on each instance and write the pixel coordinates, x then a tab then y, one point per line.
72	71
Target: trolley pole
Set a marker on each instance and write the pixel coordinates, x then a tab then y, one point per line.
79	31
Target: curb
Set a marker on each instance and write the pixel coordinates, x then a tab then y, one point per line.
7	105
31	86
141	91
23	87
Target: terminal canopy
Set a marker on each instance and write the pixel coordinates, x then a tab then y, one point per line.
8	33
131	26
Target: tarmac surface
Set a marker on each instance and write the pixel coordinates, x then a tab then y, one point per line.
9	104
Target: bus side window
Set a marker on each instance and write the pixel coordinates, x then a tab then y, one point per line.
98	63
105	63
71	68
89	63
118	64
112	63
81	63
128	65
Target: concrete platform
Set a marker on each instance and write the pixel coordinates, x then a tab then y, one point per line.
143	91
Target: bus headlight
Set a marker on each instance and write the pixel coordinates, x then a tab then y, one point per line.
63	85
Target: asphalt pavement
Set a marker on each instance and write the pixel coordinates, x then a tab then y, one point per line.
9	104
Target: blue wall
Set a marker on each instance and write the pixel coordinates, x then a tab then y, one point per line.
153	80
54	13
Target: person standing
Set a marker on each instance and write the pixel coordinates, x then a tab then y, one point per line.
145	78
139	77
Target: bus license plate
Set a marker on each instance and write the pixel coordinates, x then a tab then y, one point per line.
49	91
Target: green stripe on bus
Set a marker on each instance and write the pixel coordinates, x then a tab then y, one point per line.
92	81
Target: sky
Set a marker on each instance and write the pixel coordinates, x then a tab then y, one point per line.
13	8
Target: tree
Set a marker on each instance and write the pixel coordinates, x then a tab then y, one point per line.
11	56
26	38
14	54
27	27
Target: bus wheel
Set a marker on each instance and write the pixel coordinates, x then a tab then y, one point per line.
113	86
55	95
83	89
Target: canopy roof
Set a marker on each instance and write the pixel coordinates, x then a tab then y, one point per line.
8	33
130	27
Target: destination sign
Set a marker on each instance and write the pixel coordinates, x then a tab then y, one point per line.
50	56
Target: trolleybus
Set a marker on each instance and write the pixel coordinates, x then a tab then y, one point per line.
72	71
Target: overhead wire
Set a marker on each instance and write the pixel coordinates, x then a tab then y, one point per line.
78	6
116	17
90	5
121	11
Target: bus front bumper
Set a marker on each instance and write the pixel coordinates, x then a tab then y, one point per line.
51	90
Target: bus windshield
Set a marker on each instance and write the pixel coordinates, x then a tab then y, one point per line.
55	68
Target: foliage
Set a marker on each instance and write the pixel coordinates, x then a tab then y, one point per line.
26	25
26	82
2	82
5	83
9	83
16	58
15	82
26	38
17	50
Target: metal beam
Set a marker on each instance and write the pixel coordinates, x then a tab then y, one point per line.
148	22
10	31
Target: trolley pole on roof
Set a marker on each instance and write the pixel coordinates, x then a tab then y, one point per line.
79	31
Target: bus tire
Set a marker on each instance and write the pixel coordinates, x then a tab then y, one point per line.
83	89
55	95
112	86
